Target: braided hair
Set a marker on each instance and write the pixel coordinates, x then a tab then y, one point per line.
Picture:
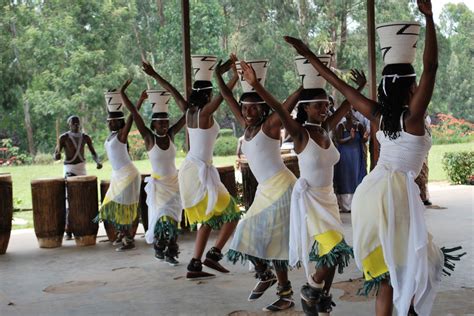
393	96
307	94
201	93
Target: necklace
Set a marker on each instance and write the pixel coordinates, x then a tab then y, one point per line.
158	135
312	124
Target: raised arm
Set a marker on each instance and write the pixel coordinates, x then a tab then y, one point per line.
357	77
93	152
177	126
123	135
212	106
148	69
142	128
422	96
364	105
282	111
226	92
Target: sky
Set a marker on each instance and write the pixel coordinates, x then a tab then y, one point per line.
438	5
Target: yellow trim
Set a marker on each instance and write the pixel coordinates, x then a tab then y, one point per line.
327	241
374	264
197	213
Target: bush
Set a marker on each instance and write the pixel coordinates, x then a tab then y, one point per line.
11	155
226	132
136	146
43	159
459	166
225	146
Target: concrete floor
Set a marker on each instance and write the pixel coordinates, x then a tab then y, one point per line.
96	280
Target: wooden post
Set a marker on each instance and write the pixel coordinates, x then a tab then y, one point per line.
374	145
186	55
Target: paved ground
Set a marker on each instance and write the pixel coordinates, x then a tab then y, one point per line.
98	281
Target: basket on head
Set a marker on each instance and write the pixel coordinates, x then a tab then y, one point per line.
159	100
203	66
260	68
114	103
310	77
398	41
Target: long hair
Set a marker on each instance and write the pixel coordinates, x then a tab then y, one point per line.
201	93
255	97
393	96
307	94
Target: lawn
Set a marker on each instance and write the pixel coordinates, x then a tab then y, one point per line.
22	175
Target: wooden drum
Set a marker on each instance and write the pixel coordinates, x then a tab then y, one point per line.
143	205
249	183
227	176
109	227
6	210
83	208
49	211
291	162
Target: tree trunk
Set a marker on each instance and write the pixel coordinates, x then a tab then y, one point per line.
302	17
161	14
26	103
29	127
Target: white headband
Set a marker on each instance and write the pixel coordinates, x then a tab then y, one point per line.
199	89
115	118
252	102
395	77
313	100
160	119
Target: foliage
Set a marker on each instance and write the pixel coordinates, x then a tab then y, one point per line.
459	166
225	146
58	57
43	159
136	146
450	130
12	155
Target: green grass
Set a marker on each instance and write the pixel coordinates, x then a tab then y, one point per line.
22	175
435	157
25	215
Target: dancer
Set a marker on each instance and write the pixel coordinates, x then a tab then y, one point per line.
162	189
262	234
391	242
205	199
120	205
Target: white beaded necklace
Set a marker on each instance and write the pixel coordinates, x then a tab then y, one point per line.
312	124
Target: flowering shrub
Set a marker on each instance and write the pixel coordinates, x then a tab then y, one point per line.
11	155
450	130
136	146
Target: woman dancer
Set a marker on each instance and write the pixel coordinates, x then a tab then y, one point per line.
314	212
391	242
162	189
262	234
350	170
205	199
120	205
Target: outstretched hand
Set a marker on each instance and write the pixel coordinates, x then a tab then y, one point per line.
248	73
298	44
125	85
425	7
358	77
148	68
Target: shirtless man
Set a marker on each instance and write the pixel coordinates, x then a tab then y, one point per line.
73	143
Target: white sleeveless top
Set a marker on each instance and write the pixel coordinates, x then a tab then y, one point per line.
202	141
406	153
317	164
263	155
163	161
117	153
